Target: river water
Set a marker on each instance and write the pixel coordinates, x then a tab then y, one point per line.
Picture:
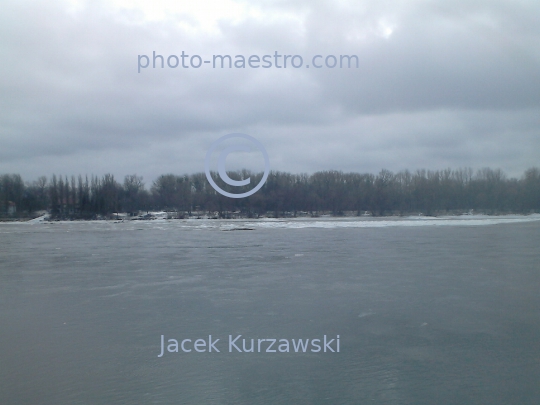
428	311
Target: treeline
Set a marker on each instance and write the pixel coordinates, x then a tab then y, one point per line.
424	191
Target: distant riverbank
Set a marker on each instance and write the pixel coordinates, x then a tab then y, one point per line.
239	222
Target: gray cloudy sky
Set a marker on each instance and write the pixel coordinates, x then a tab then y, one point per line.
440	84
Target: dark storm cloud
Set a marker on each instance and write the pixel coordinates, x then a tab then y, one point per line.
439	84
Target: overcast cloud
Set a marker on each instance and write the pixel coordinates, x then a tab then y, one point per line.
440	84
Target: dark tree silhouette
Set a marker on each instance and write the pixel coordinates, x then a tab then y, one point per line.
283	194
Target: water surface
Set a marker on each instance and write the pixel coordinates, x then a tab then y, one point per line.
429	311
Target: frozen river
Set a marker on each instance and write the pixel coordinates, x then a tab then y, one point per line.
428	311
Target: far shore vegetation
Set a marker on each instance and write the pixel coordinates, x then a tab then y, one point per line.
423	192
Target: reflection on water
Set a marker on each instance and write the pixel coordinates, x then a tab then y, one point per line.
426	313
